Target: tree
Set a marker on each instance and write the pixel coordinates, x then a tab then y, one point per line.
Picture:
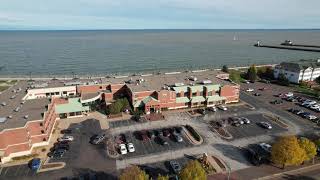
309	147
252	73
317	80
225	69
118	106
283	80
160	177
287	151
269	73
193	170
133	173
234	76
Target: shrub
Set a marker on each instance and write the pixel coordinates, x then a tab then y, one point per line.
25	157
193	133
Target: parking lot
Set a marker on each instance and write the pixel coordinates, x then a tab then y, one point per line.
152	145
269	94
126	122
16	171
254	129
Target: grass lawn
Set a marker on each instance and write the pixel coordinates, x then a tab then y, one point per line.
307	91
2	88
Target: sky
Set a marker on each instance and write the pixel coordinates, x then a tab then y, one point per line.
158	14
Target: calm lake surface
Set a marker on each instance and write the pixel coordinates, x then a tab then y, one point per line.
136	51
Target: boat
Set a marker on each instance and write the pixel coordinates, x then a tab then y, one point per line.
287	43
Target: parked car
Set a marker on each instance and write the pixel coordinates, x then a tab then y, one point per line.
178	138
123	149
249	90
277	101
98	139
144	135
64	146
66	131
202	111
262	89
236	121
222	107
166	132
312	117
66	138
175	166
151	134
213	109
245	120
161	141
178	129
57	153
299	112
304	114
265	125
257	94
266	147
131	147
123	138
34	164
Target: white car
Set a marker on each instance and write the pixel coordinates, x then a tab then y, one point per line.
289	94
245	120
314	107
131	147
311	117
66	138
266	125
123	149
250	90
265	146
222	107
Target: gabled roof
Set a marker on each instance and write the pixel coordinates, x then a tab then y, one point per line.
196	88
180	89
141	103
197	99
213	87
182	100
215	98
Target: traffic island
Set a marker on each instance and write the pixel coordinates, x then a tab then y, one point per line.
276	120
193	136
51	166
221	131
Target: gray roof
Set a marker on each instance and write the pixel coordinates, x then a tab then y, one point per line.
31	108
300	65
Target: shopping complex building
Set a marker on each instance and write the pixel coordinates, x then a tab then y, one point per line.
30	110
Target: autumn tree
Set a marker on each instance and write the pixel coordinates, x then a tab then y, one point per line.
309	147
134	173
161	177
287	151
193	170
252	73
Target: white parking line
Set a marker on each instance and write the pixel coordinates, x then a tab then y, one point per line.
17	170
1	170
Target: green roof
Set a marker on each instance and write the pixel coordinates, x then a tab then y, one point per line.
215	98
196	88
141	103
215	87
180	89
73	105
197	99
182	100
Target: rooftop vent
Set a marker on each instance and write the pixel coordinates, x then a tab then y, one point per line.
10	117
206	82
193	78
178	84
26	117
12	97
22	102
3	119
3	103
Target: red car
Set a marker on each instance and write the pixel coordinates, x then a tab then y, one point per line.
166	132
144	135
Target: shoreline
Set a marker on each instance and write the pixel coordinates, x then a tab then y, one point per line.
115	75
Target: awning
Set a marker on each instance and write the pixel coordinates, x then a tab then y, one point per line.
73	105
196	88
138	104
182	100
213	87
197	99
215	98
180	89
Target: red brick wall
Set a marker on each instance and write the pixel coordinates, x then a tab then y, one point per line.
230	92
91	88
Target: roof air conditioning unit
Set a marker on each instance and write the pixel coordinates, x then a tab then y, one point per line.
206	82
3	103
26	116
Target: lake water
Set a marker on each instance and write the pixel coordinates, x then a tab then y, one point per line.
136	51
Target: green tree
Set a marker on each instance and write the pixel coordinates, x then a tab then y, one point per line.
309	147
234	76
269	73
193	170
161	177
283	80
133	173
287	151
119	106
317	80
225	69
252	73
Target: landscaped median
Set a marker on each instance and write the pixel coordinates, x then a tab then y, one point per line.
51	166
194	137
276	120
221	131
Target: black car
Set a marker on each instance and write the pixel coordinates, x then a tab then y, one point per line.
123	138
161	141
57	153
178	129
166	132
257	94
66	131
63	146
151	134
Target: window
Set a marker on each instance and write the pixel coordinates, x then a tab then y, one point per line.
47	94
100	87
42	131
194	94
186	104
186	94
178	95
64	92
202	103
41	124
44	139
195	104
201	93
57	93
210	93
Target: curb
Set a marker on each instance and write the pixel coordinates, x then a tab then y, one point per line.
225	137
190	137
277	121
290	171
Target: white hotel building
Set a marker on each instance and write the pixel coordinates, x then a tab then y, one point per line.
303	70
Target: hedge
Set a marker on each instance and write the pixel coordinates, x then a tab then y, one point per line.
193	133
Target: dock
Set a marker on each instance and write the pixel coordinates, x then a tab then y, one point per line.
289	47
301	45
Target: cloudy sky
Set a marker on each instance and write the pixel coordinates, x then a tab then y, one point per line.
159	14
